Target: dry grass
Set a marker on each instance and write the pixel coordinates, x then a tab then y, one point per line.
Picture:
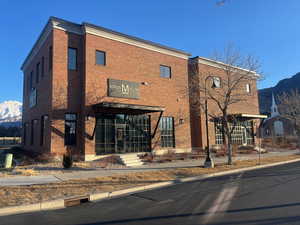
17	195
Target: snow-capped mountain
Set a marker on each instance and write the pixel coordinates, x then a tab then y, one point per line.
10	112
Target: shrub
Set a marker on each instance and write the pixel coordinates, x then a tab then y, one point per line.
67	161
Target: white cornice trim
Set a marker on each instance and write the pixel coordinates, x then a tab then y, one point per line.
221	65
119	38
67	26
56	23
38	44
51	24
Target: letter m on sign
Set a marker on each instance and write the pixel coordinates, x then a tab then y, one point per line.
125	89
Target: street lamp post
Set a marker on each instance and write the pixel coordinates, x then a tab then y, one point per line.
208	161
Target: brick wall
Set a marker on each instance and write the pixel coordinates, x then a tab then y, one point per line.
131	63
248	106
67	89
43	107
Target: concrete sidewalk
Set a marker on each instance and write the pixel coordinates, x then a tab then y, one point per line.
98	172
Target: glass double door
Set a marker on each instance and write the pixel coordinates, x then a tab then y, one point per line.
122	133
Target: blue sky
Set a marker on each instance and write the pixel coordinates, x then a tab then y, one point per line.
267	29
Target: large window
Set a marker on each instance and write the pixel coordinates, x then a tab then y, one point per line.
216	82
70	129
242	133
42	131
167	137
31	81
33	97
122	133
50	57
37	73
100	58
43	67
32	133
28	88
248	88
165	71
72	58
25	125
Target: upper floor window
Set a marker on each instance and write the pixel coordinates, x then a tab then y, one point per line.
37	73
72	58
216	82
165	71
28	84
31	81
32	97
43	67
50	57
248	88
100	58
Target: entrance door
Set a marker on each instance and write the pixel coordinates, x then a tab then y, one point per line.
120	138
244	136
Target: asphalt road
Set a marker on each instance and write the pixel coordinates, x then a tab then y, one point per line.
266	196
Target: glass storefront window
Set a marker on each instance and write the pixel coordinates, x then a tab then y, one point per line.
122	133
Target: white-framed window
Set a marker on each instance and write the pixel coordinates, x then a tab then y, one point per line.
248	88
216	82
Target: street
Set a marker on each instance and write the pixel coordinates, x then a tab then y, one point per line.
265	196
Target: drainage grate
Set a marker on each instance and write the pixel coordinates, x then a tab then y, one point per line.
77	200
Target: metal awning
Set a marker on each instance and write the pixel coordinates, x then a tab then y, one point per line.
126	108
250	116
131	109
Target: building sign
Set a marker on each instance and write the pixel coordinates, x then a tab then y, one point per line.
32	98
123	89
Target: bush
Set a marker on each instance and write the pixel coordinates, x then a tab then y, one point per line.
67	161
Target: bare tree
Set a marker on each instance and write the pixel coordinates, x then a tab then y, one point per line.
289	107
229	90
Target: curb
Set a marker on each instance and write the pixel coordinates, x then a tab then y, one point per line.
60	203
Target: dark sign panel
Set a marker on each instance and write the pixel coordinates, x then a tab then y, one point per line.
123	89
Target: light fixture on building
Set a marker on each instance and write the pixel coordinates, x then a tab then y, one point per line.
145	83
181	121
87	117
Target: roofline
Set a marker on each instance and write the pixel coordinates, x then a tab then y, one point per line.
36	43
81	29
221	65
135	38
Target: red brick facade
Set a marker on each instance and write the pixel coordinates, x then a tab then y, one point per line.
63	91
200	70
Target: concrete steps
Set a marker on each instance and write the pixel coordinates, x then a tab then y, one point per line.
131	160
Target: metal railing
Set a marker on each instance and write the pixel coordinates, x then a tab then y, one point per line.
10	141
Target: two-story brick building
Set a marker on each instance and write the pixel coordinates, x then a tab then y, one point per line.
96	91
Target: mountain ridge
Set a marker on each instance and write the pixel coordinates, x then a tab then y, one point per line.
10	113
284	85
